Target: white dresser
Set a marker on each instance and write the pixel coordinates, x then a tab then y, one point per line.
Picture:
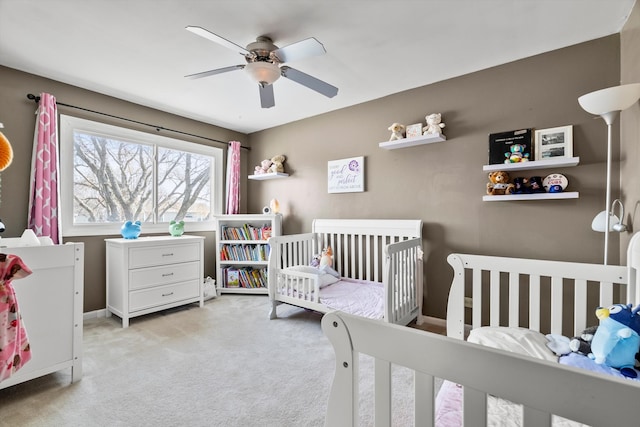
153	273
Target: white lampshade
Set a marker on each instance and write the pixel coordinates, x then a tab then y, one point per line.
599	223
263	72
615	98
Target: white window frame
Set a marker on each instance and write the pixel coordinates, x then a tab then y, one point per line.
69	124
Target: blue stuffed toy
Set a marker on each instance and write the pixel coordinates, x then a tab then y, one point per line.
617	339
130	230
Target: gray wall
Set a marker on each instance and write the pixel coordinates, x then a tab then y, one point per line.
443	183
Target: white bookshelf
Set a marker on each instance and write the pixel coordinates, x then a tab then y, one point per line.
244	252
271	175
412	142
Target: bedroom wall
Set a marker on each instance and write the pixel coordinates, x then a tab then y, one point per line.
630	125
443	183
17	115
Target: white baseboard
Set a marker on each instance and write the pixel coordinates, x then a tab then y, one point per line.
94	314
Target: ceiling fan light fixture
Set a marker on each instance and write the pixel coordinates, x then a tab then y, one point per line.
265	73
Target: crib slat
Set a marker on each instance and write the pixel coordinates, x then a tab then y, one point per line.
382	397
606	294
476	297
514	299
580	307
534	418
556	305
424	407
494	307
534	302
474	405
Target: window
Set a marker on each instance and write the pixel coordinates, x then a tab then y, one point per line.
110	175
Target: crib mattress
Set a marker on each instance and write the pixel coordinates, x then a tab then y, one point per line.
357	297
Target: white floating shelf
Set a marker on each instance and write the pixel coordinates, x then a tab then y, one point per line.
535	196
412	142
537	164
272	175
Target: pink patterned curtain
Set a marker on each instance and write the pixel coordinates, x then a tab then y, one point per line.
233	177
44	192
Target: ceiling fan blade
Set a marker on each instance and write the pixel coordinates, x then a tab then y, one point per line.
309	81
300	50
214	72
216	38
267	99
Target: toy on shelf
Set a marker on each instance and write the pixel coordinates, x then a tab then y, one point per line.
528	185
176	229
555	183
434	124
277	164
131	230
397	131
499	184
263	167
516	154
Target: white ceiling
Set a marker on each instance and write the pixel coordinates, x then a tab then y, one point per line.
139	50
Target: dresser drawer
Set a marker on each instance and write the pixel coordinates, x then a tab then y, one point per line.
163	275
161	295
162	255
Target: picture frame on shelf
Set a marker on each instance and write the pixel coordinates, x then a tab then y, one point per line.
414	130
554	143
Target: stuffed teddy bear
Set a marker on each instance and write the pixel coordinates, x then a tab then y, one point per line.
397	131
327	257
277	163
499	184
516	154
263	167
617	340
434	125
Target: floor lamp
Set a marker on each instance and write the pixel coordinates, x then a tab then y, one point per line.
607	103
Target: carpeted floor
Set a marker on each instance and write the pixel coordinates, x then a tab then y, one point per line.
222	365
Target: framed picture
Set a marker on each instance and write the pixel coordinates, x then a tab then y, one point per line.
554	142
345	175
414	130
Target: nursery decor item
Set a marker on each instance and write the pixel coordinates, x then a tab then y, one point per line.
554	142
6	152
263	167
277	164
499	184
130	230
555	183
274	206
397	131
501	142
434	124
607	103
616	341
414	130
516	154
176	229
345	175
326	259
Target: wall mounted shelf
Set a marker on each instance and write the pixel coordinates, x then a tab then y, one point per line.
272	175
412	142
536	196
532	165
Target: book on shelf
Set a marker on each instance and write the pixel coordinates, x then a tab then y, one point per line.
232	277
500	144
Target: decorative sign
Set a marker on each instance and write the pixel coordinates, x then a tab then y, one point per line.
346	175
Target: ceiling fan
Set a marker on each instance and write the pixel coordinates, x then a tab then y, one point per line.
265	63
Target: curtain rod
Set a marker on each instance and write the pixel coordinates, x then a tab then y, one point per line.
36	99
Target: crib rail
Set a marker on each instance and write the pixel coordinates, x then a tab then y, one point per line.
583	396
403	284
504	283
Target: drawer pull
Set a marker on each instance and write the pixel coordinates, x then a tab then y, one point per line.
171	254
166	295
167	275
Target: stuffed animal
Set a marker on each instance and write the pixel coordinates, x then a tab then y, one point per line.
176	229
516	154
617	340
434	124
315	261
277	164
327	257
582	343
499	184
397	131
130	230
2	227
263	167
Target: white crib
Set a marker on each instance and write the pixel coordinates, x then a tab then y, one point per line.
515	294
382	255
51	304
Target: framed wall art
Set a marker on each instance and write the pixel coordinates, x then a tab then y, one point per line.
346	175
554	142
